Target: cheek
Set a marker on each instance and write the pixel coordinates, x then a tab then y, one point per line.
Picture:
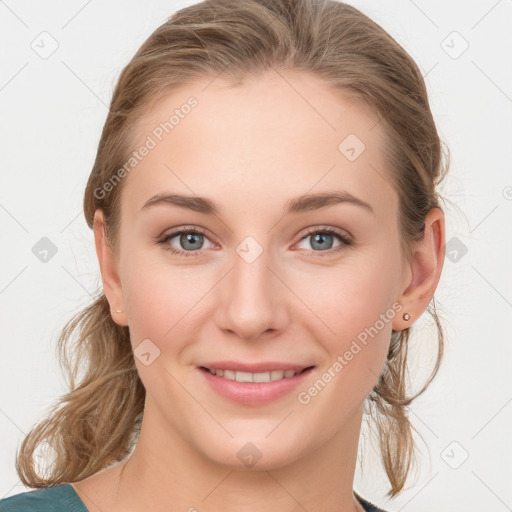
356	312
163	299
157	300
157	304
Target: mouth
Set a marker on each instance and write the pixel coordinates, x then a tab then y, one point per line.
254	383
243	376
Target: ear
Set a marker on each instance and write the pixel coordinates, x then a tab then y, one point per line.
109	270
423	271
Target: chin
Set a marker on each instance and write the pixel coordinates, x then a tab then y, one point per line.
256	455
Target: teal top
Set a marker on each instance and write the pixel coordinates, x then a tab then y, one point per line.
63	498
58	498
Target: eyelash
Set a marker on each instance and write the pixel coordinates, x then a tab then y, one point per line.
346	241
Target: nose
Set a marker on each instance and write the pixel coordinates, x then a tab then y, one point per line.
251	299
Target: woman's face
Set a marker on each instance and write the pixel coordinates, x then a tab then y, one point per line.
267	281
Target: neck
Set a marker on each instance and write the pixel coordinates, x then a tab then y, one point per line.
164	471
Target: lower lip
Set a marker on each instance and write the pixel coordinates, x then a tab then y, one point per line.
254	393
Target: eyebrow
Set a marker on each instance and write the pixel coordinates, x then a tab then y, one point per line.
301	204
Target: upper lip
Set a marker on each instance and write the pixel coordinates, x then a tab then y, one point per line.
253	367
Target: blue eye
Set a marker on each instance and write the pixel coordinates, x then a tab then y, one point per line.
192	239
321	238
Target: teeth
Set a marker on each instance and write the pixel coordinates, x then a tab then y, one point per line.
254	377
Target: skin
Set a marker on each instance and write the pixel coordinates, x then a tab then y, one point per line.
250	149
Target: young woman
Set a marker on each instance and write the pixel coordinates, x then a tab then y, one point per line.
268	230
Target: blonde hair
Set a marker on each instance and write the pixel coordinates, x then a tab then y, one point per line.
97	423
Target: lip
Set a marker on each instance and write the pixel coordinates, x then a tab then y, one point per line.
255	393
253	367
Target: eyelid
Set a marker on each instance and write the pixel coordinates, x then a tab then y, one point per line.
185	228
311	230
342	233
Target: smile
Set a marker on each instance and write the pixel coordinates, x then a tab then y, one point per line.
254	388
241	376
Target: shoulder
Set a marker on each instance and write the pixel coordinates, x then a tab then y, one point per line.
58	498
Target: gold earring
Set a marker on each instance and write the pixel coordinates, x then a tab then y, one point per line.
406	316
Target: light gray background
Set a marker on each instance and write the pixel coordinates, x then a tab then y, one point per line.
53	110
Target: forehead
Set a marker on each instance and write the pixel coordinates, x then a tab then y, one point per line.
270	138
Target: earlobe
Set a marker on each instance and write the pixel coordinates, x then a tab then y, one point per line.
424	270
109	271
